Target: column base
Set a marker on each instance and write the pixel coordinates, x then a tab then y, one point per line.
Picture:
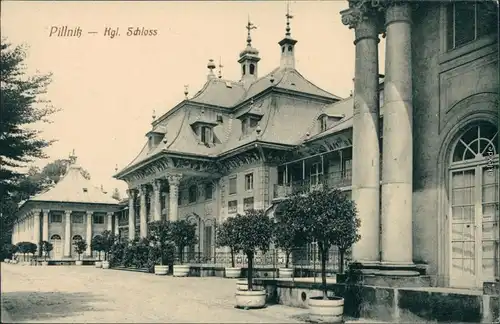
385	274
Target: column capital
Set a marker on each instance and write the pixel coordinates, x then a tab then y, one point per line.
46	211
68	212
156	184
89	213
397	11
360	10
174	179
36	211
110	213
131	192
143	189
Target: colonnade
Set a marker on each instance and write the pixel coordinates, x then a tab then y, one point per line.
386	232
142	190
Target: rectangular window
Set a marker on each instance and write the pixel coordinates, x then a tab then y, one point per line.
205	134
193	194
323	123
469	20
249	181
209	189
77	219
98	219
56	218
248	203
179	197
232	185
232	206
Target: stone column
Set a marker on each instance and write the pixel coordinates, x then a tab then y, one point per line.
67	234
117	218
88	236
142	211
45	229
131	213
366	152
156	200
167	202
397	142
109	223
173	183
36	231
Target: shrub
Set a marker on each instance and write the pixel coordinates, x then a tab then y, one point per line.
163	249
97	244
47	247
108	239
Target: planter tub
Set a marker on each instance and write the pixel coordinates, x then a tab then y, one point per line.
250	298
79	262
330	310
105	264
45	263
161	270
181	270
233	272
98	264
6	260
286	272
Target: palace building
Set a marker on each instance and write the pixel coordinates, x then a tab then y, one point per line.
415	146
72	209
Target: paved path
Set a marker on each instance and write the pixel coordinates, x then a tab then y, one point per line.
71	294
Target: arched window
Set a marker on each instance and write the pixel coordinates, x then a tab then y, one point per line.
98	236
252	69
473	205
290	48
244	69
55	237
77	238
283	49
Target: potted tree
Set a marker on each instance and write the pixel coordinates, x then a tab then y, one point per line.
162	249
108	239
46	248
32	248
254	233
23	248
288	235
80	247
329	218
97	244
183	234
226	237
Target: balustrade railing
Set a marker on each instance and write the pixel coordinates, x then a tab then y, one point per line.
318	182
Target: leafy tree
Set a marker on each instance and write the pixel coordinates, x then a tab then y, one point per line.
108	239
8	250
254	232
329	218
227	236
116	255
183	234
162	247
80	247
26	248
22	103
288	230
97	244
47	247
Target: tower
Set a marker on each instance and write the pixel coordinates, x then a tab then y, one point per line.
287	45
249	58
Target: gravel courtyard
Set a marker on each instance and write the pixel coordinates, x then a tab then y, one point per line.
71	294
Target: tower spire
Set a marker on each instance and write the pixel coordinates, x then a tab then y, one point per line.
249	27
220	67
288	17
287	44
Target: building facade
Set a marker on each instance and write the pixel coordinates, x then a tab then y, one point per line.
415	146
70	210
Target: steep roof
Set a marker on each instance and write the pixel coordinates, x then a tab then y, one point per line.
75	188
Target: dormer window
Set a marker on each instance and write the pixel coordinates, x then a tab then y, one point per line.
248	124
204	132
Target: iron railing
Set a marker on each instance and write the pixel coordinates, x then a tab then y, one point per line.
322	181
301	258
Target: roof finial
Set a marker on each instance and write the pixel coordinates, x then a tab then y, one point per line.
220	67
154	114
186	91
72	157
288	17
249	27
116	167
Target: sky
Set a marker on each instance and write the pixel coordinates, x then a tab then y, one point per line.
107	88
